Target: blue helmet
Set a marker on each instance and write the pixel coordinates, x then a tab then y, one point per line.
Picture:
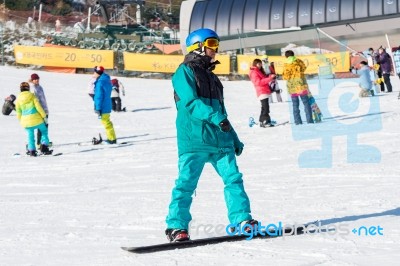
198	37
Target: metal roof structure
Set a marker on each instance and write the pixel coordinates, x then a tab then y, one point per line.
253	23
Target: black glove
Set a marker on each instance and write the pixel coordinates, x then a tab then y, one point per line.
225	125
238	151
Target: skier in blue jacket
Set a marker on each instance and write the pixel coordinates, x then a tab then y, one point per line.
204	135
102	102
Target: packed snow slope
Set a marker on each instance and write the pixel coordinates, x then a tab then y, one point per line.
81	207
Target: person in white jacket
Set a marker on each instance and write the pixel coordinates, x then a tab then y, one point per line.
117	88
90	88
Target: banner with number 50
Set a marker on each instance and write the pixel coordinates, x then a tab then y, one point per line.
63	57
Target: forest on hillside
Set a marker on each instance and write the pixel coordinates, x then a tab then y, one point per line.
167	10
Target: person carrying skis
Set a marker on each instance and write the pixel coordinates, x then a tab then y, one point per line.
32	116
8	105
117	87
102	102
204	134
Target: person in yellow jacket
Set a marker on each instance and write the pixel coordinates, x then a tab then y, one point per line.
32	116
293	72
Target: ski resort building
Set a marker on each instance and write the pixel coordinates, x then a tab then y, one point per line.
354	24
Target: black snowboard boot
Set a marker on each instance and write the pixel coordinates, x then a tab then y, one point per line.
245	226
44	149
177	235
111	141
266	124
31	153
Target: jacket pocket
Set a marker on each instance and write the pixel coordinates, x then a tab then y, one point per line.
208	133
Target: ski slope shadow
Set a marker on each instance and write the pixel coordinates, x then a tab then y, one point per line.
352	218
103	147
134	136
88	142
150	109
358	116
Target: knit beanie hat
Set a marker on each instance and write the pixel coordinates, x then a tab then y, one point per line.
114	82
34	76
99	69
24	86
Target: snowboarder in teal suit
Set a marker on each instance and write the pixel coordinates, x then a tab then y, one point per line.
204	135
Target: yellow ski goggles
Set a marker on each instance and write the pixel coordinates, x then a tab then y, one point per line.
211	43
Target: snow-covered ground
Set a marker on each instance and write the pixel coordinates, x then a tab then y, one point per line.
81	207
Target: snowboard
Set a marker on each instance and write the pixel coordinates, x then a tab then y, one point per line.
103	144
316	112
18	155
276	124
209	241
252	122
99	141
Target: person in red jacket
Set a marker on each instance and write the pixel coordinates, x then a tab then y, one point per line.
261	83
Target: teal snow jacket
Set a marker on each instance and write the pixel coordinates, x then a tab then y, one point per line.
200	108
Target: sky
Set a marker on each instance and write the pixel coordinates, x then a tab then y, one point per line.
81	207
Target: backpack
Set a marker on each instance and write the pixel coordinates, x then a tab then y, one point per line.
8	105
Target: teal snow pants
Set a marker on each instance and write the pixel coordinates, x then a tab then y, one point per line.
31	136
190	167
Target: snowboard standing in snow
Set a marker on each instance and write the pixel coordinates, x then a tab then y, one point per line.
211	241
316	112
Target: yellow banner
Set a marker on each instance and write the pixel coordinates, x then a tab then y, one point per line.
166	63
63	57
340	62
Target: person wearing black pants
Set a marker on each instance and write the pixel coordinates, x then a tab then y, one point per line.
261	84
386	78
265	119
385	61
